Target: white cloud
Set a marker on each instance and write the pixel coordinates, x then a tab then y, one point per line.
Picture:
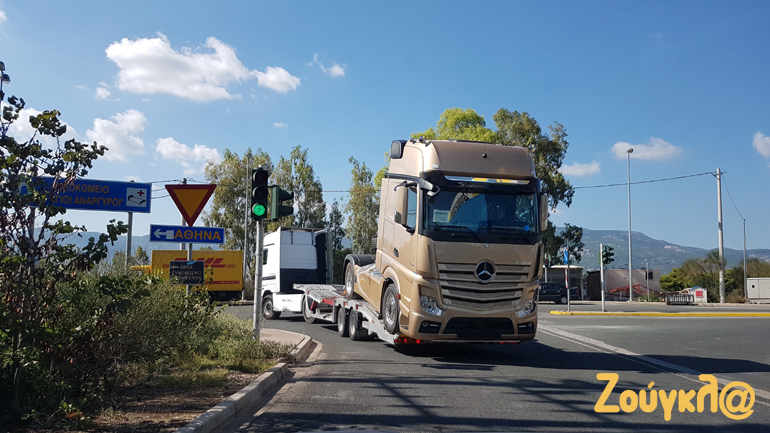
102	93
657	150
3	18
22	131
81	87
171	149
118	134
132	177
151	66
762	144
578	169
280	125
334	71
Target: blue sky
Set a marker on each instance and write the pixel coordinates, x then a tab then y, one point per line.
166	85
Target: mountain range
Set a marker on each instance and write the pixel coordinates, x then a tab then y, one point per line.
659	254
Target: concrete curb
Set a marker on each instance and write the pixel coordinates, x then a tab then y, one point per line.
597	313
230	409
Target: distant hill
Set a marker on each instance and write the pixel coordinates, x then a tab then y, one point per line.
659	254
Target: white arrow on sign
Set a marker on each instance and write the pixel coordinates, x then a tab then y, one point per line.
168	233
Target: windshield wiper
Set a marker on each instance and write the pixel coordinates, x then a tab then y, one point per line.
467	229
521	233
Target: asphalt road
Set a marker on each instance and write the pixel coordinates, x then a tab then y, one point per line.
548	384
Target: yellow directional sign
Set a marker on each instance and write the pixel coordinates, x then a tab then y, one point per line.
190	199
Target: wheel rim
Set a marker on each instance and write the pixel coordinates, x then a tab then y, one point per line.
349	279
341	319
267	307
390	310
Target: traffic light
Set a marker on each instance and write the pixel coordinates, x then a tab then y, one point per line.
277	209
607	255
547	260
259	193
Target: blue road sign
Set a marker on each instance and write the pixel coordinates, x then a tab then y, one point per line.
566	257
104	195
196	235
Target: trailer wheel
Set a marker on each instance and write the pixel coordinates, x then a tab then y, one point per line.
350	282
390	309
306	313
354	325
267	308
342	322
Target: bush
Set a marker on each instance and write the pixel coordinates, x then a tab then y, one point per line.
234	344
735	297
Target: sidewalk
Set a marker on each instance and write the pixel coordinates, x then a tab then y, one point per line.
285	337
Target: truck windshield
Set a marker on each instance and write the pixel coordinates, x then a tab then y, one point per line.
488	216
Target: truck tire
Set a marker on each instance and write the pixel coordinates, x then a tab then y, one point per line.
350	282
342	322
354	326
267	308
390	309
306	311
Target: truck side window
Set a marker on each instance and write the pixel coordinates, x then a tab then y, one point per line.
264	257
411	208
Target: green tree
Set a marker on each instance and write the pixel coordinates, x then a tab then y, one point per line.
232	198
674	281
296	174
140	256
33	260
459	124
362	208
336	226
520	129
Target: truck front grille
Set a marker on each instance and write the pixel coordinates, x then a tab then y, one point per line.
460	287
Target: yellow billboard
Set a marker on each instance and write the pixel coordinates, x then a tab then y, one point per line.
226	266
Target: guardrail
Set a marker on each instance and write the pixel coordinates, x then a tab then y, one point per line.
679	299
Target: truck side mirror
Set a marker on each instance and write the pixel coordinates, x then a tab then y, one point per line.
401	205
543	212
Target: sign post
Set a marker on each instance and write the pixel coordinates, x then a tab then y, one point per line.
258	280
566	277
190	200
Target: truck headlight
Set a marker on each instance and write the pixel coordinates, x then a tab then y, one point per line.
429	305
528	308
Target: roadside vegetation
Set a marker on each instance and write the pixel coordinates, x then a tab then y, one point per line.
704	272
76	331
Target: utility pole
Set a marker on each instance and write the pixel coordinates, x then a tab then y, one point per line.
721	239
258	280
601	273
745	263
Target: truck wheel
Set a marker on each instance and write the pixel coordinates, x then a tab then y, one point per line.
354	325
563	299
267	308
390	309
342	322
306	313
350	282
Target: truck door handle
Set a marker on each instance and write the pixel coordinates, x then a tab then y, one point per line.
395	252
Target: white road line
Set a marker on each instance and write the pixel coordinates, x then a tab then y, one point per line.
642	359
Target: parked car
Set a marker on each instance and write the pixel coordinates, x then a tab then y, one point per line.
556	292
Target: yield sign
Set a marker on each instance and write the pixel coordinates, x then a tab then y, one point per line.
190	199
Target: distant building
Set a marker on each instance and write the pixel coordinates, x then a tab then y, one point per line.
557	274
616	284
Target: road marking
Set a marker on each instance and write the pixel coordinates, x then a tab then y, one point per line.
596	313
641	359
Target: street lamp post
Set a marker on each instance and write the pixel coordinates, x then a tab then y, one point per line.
647	278
630	268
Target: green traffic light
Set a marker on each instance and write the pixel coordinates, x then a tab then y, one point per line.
259	209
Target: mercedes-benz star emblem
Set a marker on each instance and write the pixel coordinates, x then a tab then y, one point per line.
485	271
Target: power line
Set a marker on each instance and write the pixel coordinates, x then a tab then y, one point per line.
644	181
731	197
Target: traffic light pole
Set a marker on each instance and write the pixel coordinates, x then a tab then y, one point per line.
258	280
601	267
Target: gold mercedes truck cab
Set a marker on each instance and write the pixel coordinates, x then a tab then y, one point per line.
459	243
